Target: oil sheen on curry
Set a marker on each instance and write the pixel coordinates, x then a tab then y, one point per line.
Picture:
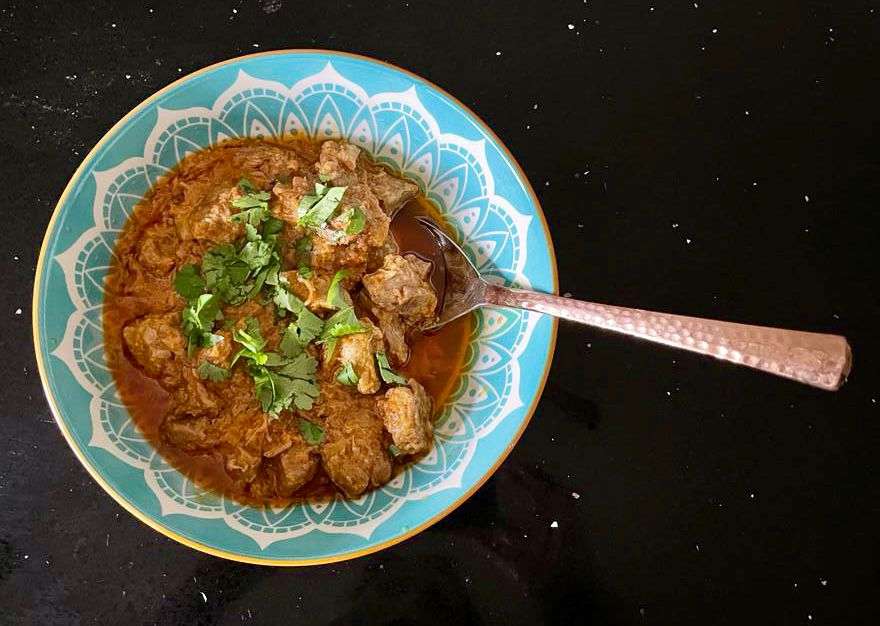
262	322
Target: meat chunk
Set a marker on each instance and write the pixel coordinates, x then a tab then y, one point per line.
394	331
205	214
402	286
354	453
157	345
285	203
294	467
360	349
189	433
406	413
337	161
391	191
157	248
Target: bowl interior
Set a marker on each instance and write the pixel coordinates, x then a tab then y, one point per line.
407	123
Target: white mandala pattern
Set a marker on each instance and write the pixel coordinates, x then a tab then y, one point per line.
399	131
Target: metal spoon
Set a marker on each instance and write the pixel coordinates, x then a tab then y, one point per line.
815	359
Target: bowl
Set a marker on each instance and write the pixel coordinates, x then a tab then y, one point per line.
404	121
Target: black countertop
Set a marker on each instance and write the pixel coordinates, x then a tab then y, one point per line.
693	158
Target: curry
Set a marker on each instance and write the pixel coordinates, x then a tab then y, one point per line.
263	317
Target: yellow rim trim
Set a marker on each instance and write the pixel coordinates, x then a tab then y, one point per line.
152	523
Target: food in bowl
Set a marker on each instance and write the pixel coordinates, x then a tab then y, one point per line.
262	321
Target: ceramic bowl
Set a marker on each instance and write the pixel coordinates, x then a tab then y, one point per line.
404	121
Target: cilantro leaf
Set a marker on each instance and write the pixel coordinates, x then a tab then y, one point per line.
305	271
257	254
388	375
303	366
246	186
303	247
311	432
197	322
188	283
356	221
347	375
343	322
323	209
284	299
335	291
208	371
394	451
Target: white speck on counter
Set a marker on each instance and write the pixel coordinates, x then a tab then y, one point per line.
235	10
256	45
823	582
567	294
747	111
687	241
580	225
754	183
204	597
27	556
809	617
535	106
669	393
18	311
806	198
675	225
575	495
652	9
128	76
554	524
546	183
752	496
589	345
714	31
571	27
696	6
698	547
528	126
498	53
179	70
113	25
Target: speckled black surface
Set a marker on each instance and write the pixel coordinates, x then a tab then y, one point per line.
691	158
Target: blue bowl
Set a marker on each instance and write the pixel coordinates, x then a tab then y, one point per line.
418	130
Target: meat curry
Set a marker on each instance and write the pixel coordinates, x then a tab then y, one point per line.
262	321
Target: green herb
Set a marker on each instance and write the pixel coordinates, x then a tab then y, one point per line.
197	322
388	375
311	432
305	271
208	371
252	341
289	382
247	186
303	247
356	221
334	292
347	375
315	210
394	451
286	300
343	322
188	283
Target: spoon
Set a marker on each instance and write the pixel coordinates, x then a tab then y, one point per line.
815	359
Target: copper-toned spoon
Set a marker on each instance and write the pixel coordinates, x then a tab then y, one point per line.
813	358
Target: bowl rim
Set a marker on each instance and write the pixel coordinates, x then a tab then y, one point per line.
156	524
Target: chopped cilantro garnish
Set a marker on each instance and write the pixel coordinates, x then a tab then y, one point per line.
388	375
316	209
343	322
197	321
290	381
394	451
335	292
286	300
188	283
208	371
347	375
311	432
247	186
356	221
305	271
303	247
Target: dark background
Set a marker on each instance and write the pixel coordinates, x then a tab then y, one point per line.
731	174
